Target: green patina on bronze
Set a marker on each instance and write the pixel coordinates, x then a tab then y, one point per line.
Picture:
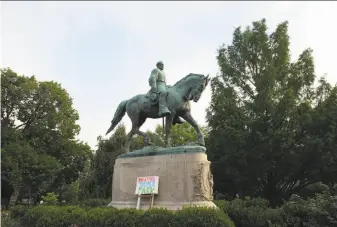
154	151
171	102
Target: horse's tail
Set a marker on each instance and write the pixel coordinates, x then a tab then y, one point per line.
119	114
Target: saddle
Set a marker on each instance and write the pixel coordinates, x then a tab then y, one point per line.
153	97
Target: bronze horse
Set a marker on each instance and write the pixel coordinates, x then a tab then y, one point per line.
140	107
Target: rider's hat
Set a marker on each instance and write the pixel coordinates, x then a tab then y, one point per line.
159	62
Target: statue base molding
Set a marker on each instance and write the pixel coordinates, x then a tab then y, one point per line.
184	174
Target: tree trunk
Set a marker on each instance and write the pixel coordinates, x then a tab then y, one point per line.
14	196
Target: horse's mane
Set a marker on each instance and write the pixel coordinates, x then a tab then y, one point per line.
186	77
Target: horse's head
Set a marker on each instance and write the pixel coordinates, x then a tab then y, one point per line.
198	87
192	86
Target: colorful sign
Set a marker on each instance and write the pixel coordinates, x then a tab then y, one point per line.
147	185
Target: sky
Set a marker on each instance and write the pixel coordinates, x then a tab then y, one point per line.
103	52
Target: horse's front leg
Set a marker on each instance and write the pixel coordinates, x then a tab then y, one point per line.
168	126
188	117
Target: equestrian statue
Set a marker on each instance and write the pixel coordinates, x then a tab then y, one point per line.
171	102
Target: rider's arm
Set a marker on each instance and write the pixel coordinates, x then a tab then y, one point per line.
153	78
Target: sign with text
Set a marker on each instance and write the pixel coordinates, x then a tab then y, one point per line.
147	185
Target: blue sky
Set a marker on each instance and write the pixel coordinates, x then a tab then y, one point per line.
103	52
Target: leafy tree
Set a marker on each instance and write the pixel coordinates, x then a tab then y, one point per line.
38	129
98	183
69	192
272	132
41	109
24	166
180	134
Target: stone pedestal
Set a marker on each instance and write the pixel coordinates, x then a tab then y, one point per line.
184	177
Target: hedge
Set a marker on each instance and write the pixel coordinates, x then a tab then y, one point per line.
252	213
64	216
320	211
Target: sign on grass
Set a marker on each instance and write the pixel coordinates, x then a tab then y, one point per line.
147	185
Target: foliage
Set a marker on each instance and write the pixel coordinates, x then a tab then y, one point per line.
25	166
18	211
107	216
50	198
312	212
7	221
69	192
297	212
180	134
313	189
202	217
95	202
39	106
272	132
251	212
38	128
98	182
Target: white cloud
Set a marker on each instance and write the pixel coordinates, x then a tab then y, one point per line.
49	39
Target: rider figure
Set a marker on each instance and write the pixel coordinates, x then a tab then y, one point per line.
157	82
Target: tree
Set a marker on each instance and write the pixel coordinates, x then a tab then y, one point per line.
40	108
272	132
180	134
26	168
38	129
98	183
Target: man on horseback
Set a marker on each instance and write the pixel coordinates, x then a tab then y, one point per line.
173	103
157	83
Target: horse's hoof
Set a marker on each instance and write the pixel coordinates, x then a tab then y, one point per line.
202	143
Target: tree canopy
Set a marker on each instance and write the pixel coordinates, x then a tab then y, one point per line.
272	129
38	130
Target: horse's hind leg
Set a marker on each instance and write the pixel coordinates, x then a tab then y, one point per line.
147	140
136	124
133	113
128	140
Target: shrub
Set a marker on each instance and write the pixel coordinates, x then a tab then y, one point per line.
51	216
158	217
18	211
314	212
320	211
7	220
312	189
59	216
50	199
98	216
95	202
203	217
252	213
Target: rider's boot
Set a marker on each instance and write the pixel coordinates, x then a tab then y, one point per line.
163	110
